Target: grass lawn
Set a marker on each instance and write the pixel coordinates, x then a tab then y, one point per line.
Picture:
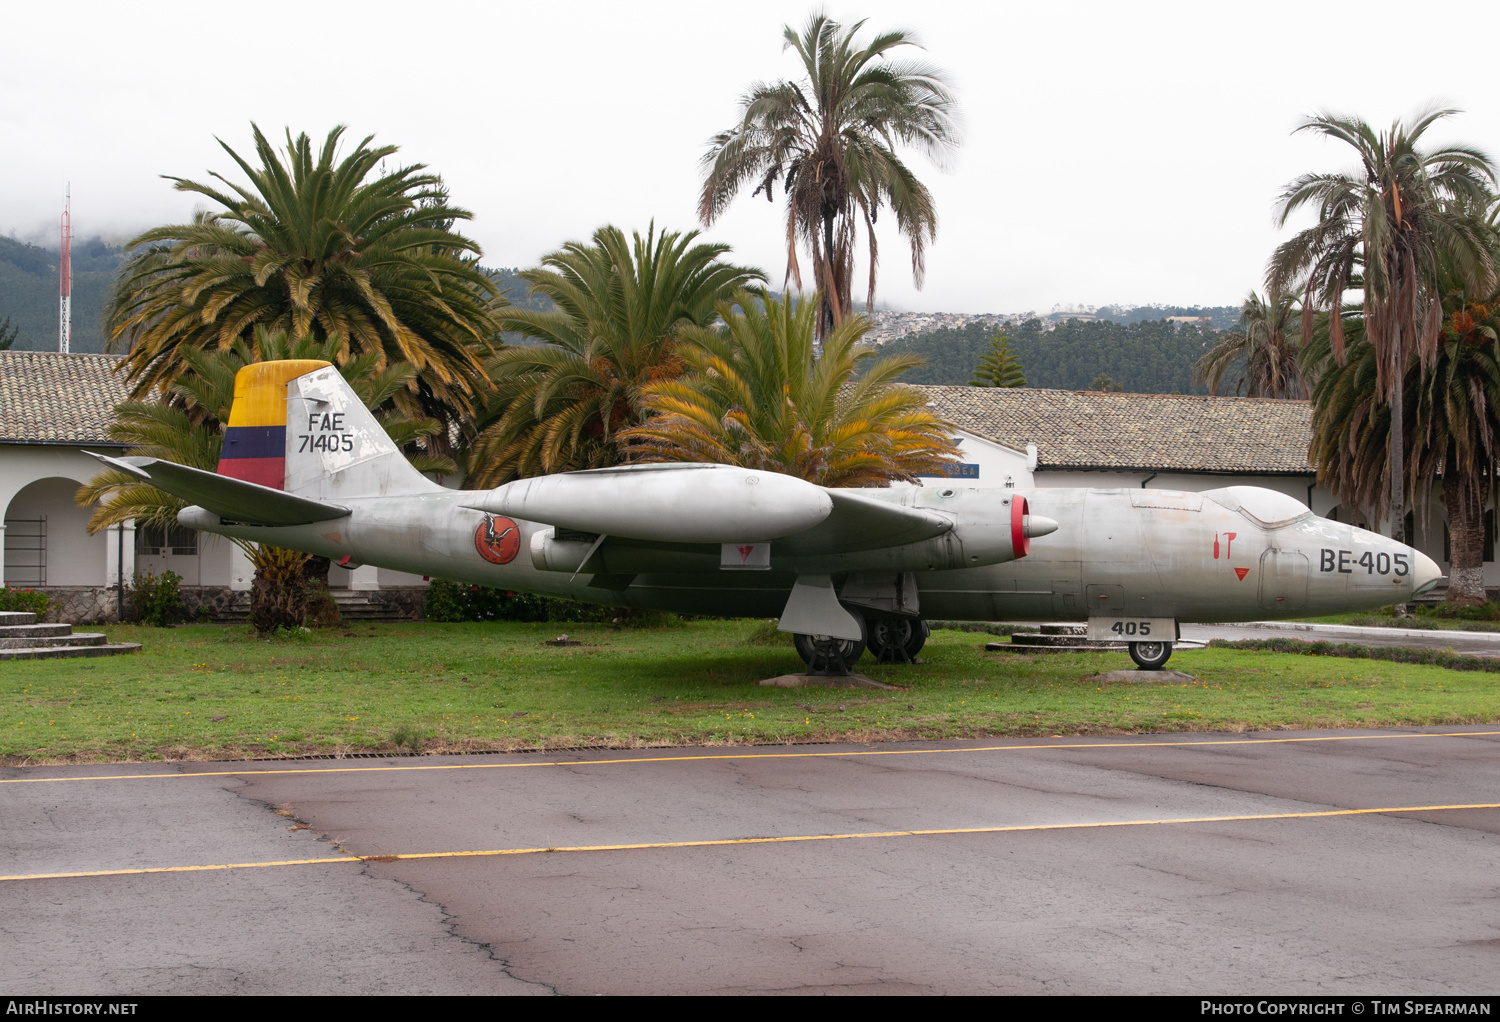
211	692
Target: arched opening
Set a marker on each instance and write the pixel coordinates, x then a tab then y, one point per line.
47	541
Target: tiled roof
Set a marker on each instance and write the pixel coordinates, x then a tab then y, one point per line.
1168	432
50	398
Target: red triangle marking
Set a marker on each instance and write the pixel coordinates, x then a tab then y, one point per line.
1241	573
745	552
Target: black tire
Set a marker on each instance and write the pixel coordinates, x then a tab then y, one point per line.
818	652
1150	656
896	640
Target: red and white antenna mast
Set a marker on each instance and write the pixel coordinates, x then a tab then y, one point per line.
65	286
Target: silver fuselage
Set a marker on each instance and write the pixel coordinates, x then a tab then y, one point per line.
1116	553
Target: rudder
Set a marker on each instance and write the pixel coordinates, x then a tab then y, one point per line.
297	426
255	437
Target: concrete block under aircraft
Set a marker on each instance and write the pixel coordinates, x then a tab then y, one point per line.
306	466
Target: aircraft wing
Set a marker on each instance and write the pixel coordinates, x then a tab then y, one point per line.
858	522
712	504
231	499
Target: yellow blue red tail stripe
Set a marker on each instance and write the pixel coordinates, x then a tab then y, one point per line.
255	438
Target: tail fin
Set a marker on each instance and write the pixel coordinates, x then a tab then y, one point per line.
295	425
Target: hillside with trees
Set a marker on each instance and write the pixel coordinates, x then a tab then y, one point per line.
1220	317
28	292
1144	357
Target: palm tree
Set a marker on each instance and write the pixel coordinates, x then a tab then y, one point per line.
1264	348
619	307
1386	229
1451	421
316	246
758	395
999	367
831	139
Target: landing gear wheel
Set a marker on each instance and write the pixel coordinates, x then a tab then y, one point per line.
824	654
1150	656
897	640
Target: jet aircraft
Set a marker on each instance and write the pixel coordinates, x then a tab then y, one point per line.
306	466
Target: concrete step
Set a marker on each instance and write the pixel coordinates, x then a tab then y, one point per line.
7	631
17	617
1033	639
1065	628
45	641
60	652
1079	647
1063	647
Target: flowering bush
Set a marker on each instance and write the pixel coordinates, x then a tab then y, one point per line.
155	600
23	600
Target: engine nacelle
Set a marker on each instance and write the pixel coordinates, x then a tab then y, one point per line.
548	553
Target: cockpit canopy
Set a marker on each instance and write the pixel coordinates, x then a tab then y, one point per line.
1266	508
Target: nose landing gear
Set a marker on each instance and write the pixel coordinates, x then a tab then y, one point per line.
1150	656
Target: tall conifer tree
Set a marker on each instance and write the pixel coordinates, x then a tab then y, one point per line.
999	366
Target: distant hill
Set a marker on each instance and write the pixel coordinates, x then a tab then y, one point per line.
28	292
1143	357
1220	317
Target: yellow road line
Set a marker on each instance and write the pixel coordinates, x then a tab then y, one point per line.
743	755
789	839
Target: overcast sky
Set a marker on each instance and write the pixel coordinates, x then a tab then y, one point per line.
1113	152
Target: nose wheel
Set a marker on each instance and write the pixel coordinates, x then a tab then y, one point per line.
1150	656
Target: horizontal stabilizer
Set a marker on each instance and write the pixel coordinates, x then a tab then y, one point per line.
232	499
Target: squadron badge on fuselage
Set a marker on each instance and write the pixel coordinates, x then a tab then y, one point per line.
497	540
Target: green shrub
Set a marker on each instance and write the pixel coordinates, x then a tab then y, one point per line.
459	601
322	608
765	633
24	600
155	599
1482	612
1396	654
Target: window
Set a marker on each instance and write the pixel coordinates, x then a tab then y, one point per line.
1266	507
154	541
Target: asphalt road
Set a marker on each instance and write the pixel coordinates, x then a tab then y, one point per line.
1076	876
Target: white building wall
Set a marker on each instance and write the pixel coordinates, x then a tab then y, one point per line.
987	465
39	481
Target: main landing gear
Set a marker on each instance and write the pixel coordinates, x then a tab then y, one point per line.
892	640
1150	656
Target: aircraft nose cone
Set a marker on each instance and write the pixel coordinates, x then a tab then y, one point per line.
1425	575
1035	525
